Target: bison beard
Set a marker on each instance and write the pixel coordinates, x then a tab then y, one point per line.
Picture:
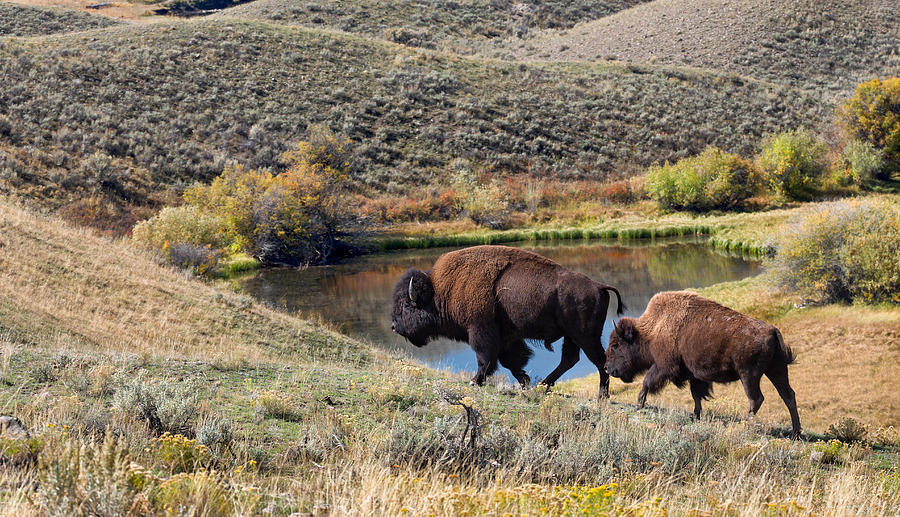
496	297
684	338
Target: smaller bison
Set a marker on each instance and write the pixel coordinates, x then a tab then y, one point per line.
682	337
496	297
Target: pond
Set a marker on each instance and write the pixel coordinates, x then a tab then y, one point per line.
355	295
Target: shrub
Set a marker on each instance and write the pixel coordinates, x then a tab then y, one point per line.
712	179
216	434
848	430
197	493
88	480
200	260
276	405
20	451
864	161
294	217
619	192
319	439
181	224
43	373
873	115
181	454
831	451
166	407
484	201
793	163
843	251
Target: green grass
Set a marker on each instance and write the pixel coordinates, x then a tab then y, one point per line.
256	86
750	233
503	236
238	264
26	20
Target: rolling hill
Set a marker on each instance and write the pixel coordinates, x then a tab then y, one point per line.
26	20
459	26
828	45
130	110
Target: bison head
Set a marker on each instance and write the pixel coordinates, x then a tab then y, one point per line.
414	314
624	358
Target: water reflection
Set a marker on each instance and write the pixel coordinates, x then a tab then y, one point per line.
356	295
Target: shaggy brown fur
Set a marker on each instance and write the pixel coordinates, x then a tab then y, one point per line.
495	297
683	337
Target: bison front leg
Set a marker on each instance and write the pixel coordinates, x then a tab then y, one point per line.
486	346
654	381
514	358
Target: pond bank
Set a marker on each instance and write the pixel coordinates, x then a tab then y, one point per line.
745	233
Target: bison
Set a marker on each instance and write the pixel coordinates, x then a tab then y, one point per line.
496	297
683	337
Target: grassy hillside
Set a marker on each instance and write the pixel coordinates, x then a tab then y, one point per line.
66	287
828	45
24	20
291	417
453	26
126	112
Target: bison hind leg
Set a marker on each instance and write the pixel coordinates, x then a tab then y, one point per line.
778	374
754	394
700	390
569	358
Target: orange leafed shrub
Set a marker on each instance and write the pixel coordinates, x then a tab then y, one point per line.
295	217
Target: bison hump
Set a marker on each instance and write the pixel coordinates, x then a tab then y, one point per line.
464	284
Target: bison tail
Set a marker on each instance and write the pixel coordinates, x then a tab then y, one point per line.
621	308
786	352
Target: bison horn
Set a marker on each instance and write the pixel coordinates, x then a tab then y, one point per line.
412	295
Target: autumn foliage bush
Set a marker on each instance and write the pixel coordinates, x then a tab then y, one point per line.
873	115
843	251
712	179
793	164
296	216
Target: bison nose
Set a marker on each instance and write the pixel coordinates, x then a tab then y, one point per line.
393	327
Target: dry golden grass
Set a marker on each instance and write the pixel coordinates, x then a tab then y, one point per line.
72	289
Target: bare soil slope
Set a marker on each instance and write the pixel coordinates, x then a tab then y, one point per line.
826	44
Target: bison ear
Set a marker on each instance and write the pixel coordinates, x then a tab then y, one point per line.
419	289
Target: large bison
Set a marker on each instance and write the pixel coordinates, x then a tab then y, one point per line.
683	337
496	297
